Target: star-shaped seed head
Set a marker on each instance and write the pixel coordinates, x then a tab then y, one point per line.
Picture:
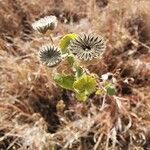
87	47
50	55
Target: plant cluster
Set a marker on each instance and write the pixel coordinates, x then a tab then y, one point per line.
79	51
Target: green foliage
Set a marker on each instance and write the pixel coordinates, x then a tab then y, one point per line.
82	97
70	60
65	41
85	84
100	92
82	86
79	71
110	88
111	91
64	81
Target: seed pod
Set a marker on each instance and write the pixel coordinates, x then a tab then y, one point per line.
88	48
50	55
44	24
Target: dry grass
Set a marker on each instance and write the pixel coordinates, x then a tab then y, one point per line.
29	114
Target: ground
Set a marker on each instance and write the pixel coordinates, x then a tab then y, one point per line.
30	114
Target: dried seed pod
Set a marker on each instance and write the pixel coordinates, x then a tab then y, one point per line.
44	24
50	55
88	47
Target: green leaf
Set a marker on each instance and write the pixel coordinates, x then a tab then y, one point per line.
82	97
110	88
100	92
85	84
107	84
65	81
70	60
65	41
111	91
79	71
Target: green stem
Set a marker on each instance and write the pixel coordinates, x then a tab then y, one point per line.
51	39
48	33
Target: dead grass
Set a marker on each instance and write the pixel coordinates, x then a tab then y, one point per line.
29	118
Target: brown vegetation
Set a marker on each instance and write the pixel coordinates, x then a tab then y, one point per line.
37	115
